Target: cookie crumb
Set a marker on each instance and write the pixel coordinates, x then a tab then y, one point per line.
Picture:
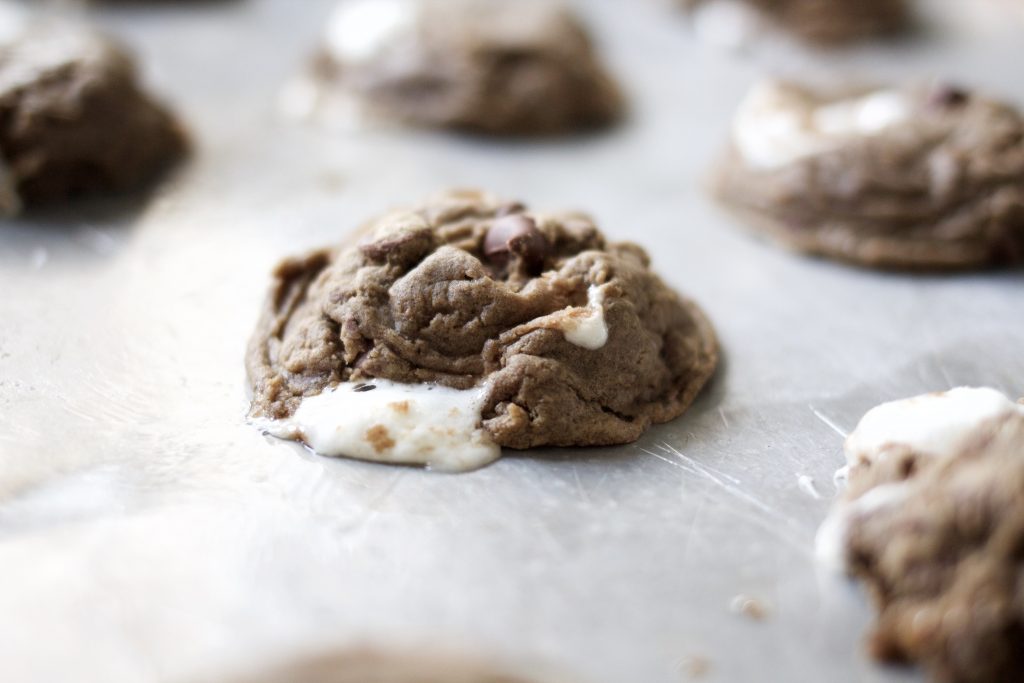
694	666
748	607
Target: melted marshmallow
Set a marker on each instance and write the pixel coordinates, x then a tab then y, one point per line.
589	330
359	30
776	125
937	425
420	424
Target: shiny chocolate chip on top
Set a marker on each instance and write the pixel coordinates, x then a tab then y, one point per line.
515	235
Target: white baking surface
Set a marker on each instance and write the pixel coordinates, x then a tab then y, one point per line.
147	533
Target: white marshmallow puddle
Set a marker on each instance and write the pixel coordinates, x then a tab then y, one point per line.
774	125
588	329
383	421
935	425
361	29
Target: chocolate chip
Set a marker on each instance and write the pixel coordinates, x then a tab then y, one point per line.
516	235
948	96
364	387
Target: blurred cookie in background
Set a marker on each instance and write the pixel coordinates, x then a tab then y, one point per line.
524	68
900	178
823	23
74	120
365	665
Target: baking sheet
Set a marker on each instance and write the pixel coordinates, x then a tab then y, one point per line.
146	533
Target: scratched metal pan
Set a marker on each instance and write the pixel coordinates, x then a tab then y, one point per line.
147	533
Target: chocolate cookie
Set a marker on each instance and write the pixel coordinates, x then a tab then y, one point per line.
933	522
819	22
369	666
485	66
931	178
443	332
74	121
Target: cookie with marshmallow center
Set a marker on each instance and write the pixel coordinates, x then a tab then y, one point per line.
441	333
895	178
525	68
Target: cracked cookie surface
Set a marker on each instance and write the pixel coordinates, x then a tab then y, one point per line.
566	339
900	178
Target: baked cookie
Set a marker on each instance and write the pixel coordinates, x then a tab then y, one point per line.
933	522
484	66
370	666
74	121
443	332
931	178
818	22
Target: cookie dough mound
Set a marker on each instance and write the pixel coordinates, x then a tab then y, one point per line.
73	120
931	178
485	66
933	522
818	22
563	338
